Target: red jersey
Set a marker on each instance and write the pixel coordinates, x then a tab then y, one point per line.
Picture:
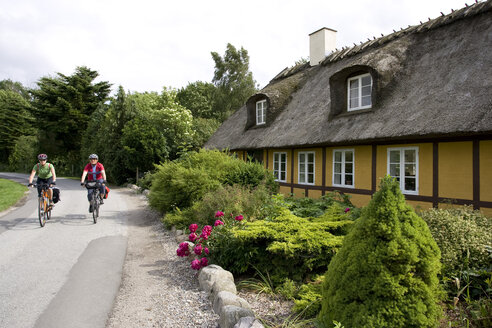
94	171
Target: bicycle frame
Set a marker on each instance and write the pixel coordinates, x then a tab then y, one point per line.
44	210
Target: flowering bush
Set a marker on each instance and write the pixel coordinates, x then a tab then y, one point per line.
197	244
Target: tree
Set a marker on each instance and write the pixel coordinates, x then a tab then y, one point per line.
15	121
63	105
17	87
385	274
233	80
199	98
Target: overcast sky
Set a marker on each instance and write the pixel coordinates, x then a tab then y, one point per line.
148	44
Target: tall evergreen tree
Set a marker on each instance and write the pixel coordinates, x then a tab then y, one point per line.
62	106
233	79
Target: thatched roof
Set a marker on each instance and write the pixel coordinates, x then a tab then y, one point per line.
433	80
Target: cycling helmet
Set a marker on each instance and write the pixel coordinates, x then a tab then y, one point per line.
91	156
42	156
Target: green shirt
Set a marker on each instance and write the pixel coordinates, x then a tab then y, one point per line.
43	171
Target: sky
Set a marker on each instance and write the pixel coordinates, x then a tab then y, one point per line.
146	45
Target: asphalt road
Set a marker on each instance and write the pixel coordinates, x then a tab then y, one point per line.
68	273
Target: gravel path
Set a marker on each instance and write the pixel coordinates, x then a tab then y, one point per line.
158	288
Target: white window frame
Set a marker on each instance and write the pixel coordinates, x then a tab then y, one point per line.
277	166
261	107
402	168
299	164
359	91
343	164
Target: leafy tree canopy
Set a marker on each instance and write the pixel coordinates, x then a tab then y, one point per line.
16	87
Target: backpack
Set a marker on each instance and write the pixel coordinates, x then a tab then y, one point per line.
56	195
107	192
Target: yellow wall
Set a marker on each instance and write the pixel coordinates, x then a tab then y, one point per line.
425	165
360	200
284	190
486	170
314	194
299	193
419	205
456	170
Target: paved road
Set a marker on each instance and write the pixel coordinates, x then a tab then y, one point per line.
68	273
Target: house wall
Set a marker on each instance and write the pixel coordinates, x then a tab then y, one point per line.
449	172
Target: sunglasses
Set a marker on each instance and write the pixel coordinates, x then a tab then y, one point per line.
93	159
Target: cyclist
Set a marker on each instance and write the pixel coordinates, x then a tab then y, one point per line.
94	172
46	175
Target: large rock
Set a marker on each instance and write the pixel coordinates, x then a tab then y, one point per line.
210	274
232	314
248	322
224	298
222	285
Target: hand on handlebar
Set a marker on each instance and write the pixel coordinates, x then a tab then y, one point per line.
30	185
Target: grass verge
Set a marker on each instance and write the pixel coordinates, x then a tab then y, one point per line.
11	192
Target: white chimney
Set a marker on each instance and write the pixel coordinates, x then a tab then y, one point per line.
321	43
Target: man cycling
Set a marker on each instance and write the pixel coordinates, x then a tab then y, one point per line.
46	175
94	172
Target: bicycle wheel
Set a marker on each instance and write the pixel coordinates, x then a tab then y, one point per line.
42	211
95	207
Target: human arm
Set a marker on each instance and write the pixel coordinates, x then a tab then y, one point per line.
31	177
82	179
53	173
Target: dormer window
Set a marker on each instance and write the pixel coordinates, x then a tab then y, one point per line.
261	107
359	90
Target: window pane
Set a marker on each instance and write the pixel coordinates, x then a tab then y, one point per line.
311	158
366	101
302	158
282	166
354	103
366	80
348	168
284	158
366	91
410	170
310	178
338	156
338	168
354	85
310	168
302	177
282	176
395	170
302	169
394	156
349	180
410	156
338	179
348	156
410	184
275	174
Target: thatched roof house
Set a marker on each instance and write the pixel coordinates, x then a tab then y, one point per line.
430	83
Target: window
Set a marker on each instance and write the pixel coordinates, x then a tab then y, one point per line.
403	165
359	89
306	167
261	112
343	168
280	166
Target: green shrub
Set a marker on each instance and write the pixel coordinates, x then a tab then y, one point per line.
23	155
385	274
308	300
183	182
232	200
285	247
146	181
462	234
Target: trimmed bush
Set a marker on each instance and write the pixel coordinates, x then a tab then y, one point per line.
385	274
286	246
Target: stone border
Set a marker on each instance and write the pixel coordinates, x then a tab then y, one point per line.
234	311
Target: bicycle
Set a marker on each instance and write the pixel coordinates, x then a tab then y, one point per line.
95	200
44	207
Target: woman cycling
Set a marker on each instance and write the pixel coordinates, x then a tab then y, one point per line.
94	172
46	175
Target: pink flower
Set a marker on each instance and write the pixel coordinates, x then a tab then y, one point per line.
347	209
218	222
204	262
239	218
198	249
204	236
183	250
192	237
206	250
193	227
218	214
195	264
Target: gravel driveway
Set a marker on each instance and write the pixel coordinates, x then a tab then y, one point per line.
158	289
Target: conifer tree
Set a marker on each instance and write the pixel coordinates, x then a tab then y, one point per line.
385	274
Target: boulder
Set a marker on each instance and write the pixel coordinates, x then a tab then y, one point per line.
210	274
224	298
232	314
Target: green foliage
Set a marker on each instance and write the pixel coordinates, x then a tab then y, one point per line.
199	98
62	107
235	199
182	182
203	129
308	298
286	246
17	87
233	80
385	274
23	156
15	121
462	234
11	192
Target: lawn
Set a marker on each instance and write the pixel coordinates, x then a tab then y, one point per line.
11	192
